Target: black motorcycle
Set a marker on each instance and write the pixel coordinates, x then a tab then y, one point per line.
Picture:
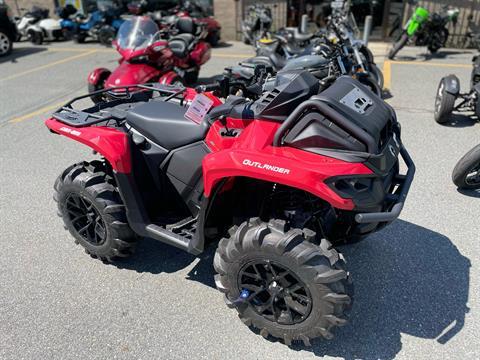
257	23
466	174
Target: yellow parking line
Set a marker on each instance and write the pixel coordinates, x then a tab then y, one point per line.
387	74
232	56
36	112
79	49
38	68
429	64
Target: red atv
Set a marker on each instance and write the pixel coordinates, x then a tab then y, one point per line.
148	57
276	183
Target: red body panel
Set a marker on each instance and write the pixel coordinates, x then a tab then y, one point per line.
109	142
130	74
96	75
168	78
201	53
252	155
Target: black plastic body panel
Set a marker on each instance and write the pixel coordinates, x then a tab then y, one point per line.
290	90
184	169
314	132
367	110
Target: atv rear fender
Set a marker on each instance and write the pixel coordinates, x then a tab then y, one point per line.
98	75
109	142
452	84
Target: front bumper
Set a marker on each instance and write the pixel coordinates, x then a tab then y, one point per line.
397	197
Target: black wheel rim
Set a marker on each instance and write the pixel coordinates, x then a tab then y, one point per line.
86	219
473	176
274	292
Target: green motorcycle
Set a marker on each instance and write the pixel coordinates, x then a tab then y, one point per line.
424	29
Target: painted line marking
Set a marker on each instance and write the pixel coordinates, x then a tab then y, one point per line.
387	74
42	67
232	56
37	112
429	64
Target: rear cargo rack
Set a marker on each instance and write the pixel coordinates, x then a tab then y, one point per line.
127	95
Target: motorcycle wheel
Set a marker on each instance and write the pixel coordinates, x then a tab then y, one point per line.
35	37
466	174
444	103
106	35
214	38
398	46
376	74
439	41
80	38
370	82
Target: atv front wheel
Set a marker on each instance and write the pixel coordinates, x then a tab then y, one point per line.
466	174
281	283
93	212
444	104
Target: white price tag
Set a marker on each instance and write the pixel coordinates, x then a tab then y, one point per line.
198	108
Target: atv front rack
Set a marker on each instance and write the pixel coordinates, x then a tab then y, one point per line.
110	110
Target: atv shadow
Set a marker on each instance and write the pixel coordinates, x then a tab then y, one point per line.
156	257
408	279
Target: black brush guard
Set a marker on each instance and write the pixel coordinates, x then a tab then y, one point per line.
403	182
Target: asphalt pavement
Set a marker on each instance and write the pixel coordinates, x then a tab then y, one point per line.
416	282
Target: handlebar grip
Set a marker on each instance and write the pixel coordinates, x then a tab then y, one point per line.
206	88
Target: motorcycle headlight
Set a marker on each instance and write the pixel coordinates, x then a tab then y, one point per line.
141	58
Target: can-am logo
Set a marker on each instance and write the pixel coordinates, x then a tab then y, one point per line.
70	131
268	167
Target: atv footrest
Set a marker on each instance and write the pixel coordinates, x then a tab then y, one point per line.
171	238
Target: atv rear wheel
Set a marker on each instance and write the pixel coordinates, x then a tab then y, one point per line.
466	174
282	284
444	103
93	212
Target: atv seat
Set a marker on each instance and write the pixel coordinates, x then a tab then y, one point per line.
165	124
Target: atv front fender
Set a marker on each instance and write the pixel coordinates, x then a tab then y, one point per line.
110	143
452	84
98	75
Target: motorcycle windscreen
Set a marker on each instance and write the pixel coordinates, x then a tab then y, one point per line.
137	33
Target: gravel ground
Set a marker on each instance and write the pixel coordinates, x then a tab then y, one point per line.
417	281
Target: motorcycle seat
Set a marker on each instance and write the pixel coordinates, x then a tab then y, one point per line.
298	36
165	124
179	44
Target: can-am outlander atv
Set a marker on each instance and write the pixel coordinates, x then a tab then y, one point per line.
275	182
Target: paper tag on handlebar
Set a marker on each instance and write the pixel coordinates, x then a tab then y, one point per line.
198	109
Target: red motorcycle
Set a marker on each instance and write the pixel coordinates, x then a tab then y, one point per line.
147	56
195	11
